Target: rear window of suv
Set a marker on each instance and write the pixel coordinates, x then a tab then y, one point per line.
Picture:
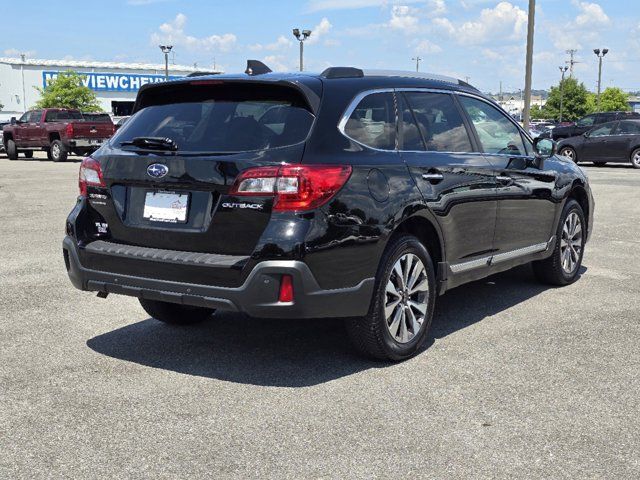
223	119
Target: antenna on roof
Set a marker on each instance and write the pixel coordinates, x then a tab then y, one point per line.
256	67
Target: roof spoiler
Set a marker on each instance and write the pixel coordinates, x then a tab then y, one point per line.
342	72
256	67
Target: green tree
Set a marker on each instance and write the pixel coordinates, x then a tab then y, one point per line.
537	112
574	100
612	99
68	91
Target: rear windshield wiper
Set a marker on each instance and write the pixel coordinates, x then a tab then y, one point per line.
153	143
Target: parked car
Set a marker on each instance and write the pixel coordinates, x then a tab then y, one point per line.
586	123
56	130
2	124
349	193
617	142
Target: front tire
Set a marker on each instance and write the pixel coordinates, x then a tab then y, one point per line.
563	266
570	153
402	306
12	150
175	314
58	151
635	158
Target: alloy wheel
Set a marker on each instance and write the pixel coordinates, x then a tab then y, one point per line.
55	150
406	298
571	243
567	152
636	159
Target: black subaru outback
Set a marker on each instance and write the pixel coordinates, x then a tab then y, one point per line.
353	194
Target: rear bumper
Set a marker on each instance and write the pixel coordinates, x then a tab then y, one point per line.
257	296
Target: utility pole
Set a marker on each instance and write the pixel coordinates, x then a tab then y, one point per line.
166	49
571	62
501	99
23	57
529	65
467	78
562	72
417	59
600	55
301	37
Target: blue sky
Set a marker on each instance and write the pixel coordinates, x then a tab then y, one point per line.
482	39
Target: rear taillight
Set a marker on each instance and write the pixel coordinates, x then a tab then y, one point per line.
69	130
295	188
90	175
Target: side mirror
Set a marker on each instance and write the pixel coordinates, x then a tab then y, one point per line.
13	120
544	147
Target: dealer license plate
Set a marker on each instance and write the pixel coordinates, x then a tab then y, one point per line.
166	207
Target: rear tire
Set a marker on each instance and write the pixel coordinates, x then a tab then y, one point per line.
175	314
402	306
563	266
635	158
570	153
28	153
12	151
58	151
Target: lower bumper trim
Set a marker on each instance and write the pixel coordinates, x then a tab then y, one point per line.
257	296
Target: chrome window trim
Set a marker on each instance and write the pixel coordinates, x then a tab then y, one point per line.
501	257
358	98
352	106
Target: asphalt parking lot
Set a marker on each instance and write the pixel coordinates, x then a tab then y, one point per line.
518	380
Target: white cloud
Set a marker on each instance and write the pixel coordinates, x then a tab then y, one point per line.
426	46
586	27
173	33
505	19
444	24
403	18
436	8
14	52
321	5
591	15
279	63
281	43
319	31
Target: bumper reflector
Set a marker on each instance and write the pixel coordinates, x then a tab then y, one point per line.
286	289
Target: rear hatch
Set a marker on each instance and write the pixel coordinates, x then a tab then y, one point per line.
170	191
87	129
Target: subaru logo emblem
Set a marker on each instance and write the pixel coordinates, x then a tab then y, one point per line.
157	170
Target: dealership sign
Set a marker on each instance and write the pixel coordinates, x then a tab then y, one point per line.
111	82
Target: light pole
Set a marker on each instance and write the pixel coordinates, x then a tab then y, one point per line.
166	49
562	72
600	55
529	64
417	60
301	37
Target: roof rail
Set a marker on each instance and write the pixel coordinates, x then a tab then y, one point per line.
342	72
256	67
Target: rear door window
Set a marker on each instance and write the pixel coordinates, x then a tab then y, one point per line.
373	122
223	120
439	122
628	128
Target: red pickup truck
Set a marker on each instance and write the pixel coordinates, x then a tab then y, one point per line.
58	131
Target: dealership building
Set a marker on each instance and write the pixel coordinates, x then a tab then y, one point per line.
115	84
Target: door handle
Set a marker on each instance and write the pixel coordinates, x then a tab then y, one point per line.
433	177
504	179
